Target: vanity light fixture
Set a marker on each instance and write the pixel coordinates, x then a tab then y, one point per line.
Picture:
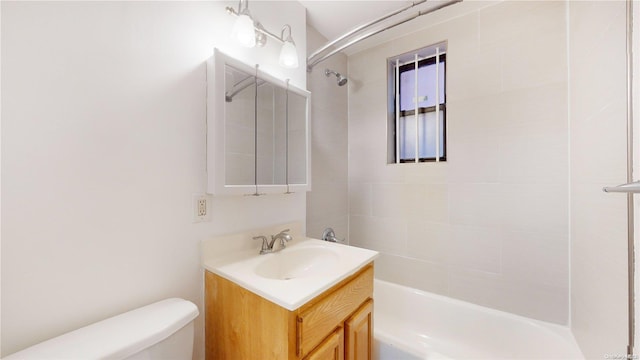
243	29
288	53
250	32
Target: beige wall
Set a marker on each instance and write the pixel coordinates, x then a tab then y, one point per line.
327	203
491	225
598	158
103	147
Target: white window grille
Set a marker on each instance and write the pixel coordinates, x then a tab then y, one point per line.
417	100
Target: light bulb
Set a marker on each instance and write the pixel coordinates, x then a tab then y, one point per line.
243	30
288	54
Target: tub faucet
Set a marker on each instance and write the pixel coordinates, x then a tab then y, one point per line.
330	235
267	245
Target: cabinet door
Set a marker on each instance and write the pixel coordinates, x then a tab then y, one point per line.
332	348
359	333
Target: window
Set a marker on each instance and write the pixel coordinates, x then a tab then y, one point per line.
417	98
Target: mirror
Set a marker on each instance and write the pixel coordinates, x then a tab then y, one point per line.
239	129
272	134
297	139
257	131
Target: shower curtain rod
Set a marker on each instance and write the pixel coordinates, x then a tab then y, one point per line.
630	187
361	27
311	63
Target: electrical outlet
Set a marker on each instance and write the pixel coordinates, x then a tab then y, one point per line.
201	208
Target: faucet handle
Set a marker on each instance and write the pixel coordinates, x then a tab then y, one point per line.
284	237
265	242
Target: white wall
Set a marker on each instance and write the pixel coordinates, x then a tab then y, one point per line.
327	203
598	158
490	225
103	145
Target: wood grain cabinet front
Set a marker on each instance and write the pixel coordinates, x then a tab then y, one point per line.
332	348
337	324
359	332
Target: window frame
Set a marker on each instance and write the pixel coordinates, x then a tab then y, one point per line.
439	51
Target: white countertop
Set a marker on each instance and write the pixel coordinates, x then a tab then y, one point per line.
240	267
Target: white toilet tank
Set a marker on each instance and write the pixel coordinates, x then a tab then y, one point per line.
162	330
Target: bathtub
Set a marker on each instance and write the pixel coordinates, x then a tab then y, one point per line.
412	324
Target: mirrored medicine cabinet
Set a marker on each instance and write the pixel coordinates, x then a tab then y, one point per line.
257	131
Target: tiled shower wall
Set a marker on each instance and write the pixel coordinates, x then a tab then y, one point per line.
490	225
327	203
597	101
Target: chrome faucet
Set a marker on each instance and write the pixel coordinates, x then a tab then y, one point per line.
330	235
267	245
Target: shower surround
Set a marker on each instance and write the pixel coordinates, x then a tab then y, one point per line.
533	130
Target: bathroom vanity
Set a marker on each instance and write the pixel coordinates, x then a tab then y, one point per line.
336	324
312	300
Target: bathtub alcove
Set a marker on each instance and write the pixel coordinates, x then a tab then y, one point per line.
413	324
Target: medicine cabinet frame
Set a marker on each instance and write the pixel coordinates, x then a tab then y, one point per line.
218	146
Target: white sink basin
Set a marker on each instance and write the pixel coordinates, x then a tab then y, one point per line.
294	275
298	262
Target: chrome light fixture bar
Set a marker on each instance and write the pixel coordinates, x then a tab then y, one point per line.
249	32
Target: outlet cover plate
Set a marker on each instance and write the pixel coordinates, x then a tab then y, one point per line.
201	208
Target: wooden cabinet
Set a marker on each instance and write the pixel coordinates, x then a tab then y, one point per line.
337	324
332	348
358	333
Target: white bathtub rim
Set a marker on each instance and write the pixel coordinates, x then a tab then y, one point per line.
403	344
556	330
470	305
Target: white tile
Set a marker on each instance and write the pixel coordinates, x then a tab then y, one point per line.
531	157
536	258
474	117
369	65
328	198
428	241
427	173
382	234
475	204
338	222
460	33
539	208
435	207
510	20
593	49
360	199
372	96
539	302
475	248
396	200
329	127
474	159
477	78
411	201
535	58
598	145
410	272
374	169
598	223
598	296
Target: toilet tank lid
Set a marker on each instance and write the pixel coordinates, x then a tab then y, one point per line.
119	336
